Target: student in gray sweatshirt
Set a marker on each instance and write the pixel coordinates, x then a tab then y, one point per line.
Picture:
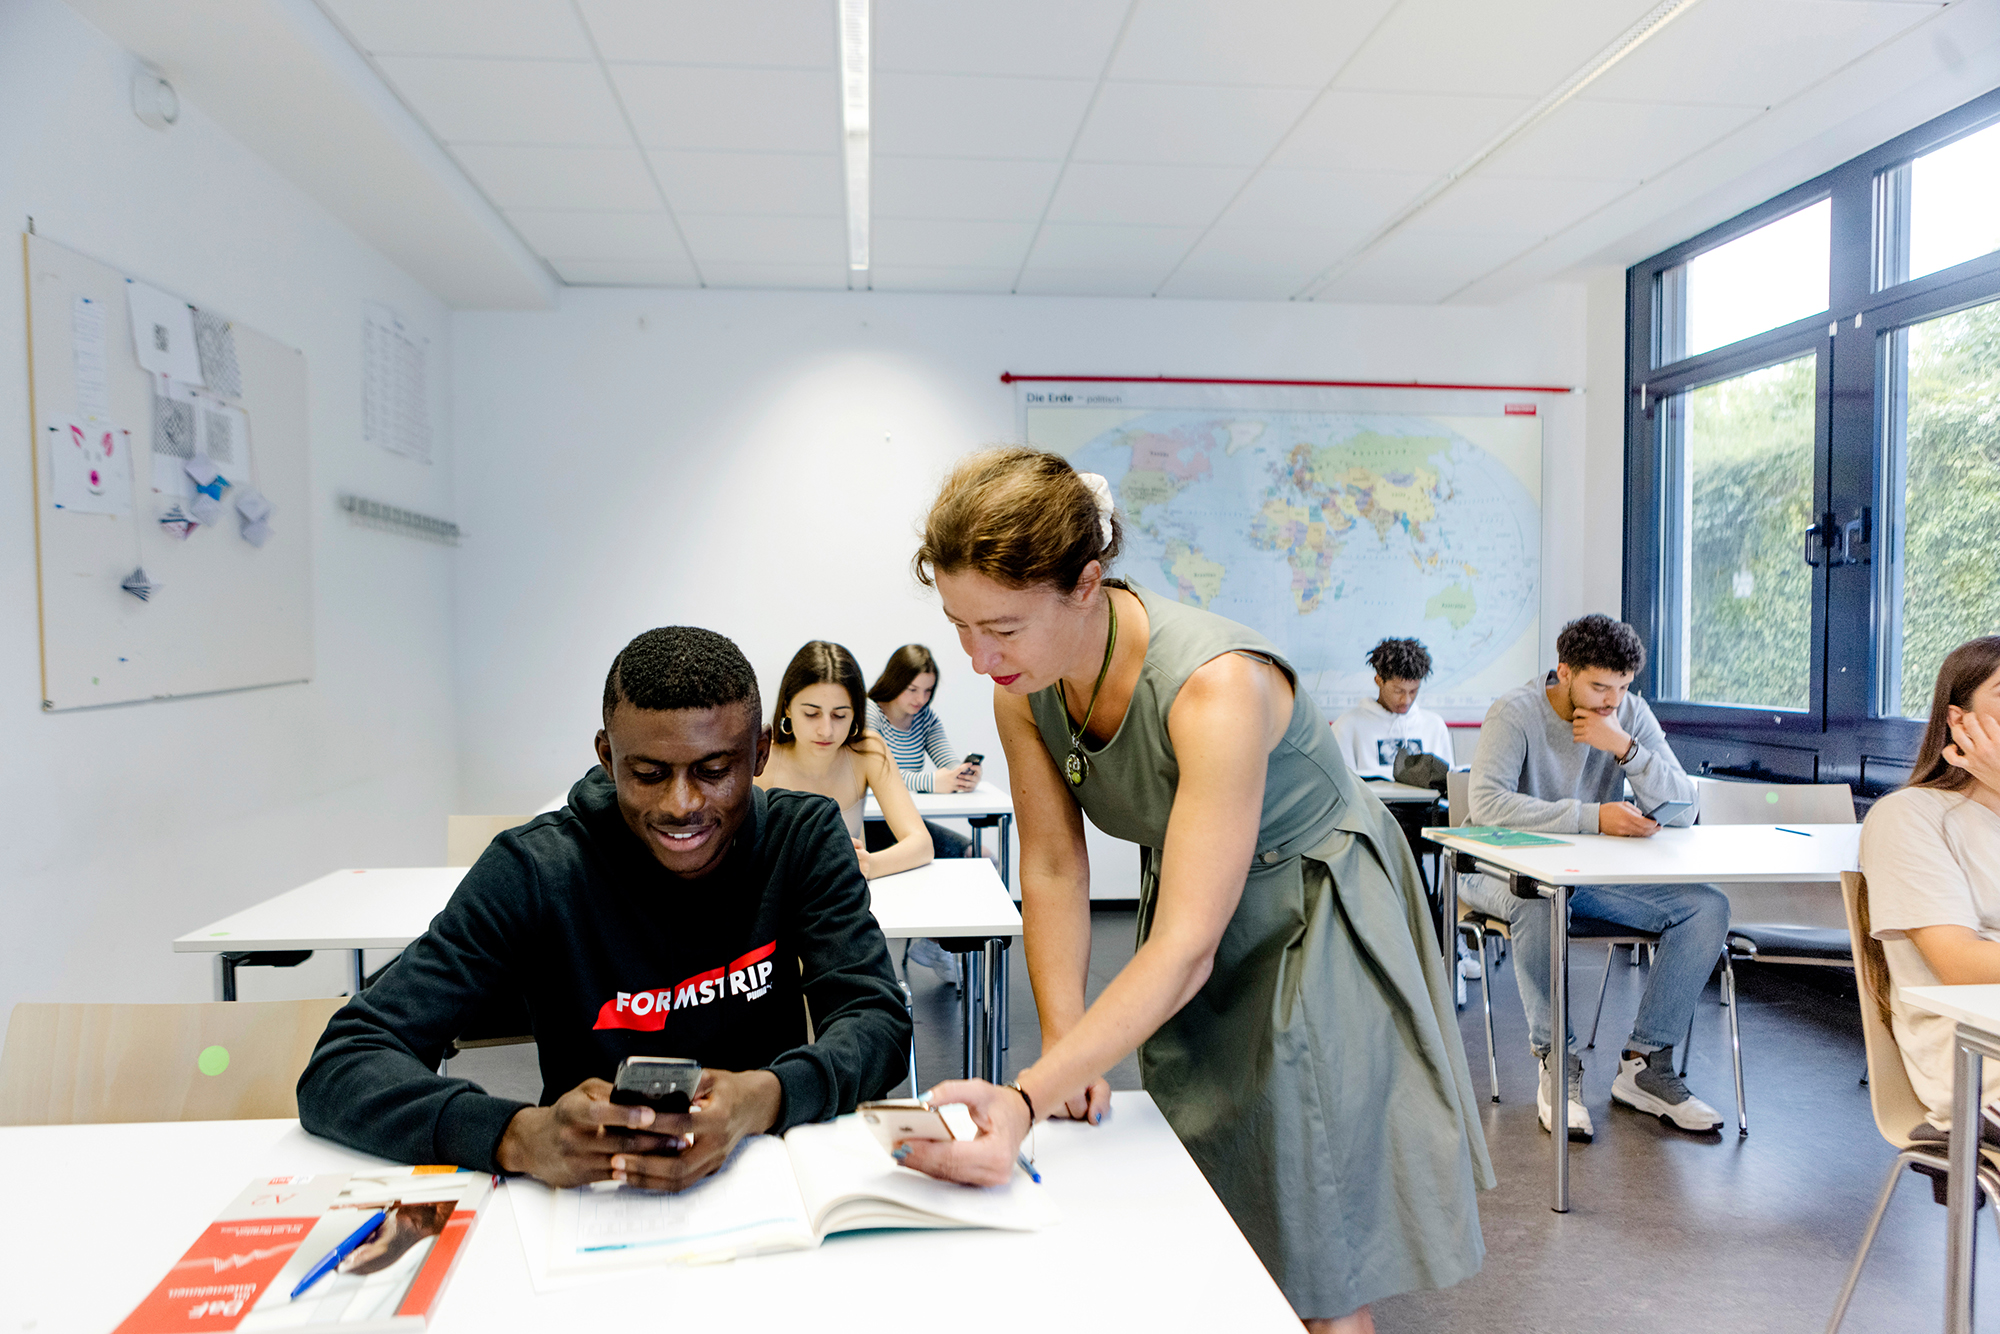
1554	757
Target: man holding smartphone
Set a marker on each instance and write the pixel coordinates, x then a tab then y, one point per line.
671	909
1554	757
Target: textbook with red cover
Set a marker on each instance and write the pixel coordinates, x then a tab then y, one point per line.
240	1274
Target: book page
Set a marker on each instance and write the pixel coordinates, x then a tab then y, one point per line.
751	1204
849	1181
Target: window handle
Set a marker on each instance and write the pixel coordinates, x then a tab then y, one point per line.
1855	536
1824	532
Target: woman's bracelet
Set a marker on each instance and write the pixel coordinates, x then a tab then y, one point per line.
1016	1086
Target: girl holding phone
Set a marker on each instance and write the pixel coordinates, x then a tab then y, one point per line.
1288	998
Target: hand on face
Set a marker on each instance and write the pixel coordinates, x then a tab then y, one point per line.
1975	746
1601	731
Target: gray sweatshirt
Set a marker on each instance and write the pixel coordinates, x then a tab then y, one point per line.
1531	773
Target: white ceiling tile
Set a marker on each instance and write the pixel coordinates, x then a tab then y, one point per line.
1424	133
533	176
1539	205
1089	282
1154	195
912	242
814	277
794	33
1063	39
527	29
1255	263
1753	52
1342	201
1416	265
1616	141
1082	245
933	187
624	273
943	115
570	234
736	110
1269	43
1188	123
1268	283
509	101
735	239
1478	47
919	278
798	184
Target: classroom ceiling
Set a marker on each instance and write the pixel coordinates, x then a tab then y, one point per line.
1358	150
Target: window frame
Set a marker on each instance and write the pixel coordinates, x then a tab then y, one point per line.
1839	737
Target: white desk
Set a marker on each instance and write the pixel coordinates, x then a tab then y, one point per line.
1134	1208
1704	854
960	898
1976	1011
983	805
1390	794
377	909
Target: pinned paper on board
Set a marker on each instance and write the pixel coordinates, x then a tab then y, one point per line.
215	347
93	375
174	424
138	585
163	332
221	431
90	467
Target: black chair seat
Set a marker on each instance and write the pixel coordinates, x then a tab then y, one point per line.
1798	942
1583	928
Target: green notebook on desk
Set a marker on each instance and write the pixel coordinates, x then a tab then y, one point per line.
1500	837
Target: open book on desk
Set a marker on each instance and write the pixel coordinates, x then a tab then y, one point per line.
773	1195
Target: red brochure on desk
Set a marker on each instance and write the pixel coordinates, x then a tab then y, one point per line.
240	1274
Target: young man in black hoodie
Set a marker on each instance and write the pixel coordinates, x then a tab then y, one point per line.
671	909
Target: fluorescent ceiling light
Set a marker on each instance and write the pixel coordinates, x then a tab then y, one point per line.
854	125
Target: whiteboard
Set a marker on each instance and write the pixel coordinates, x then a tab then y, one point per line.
227	615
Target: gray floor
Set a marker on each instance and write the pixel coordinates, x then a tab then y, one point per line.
1668	1231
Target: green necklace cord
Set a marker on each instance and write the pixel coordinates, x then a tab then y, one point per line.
1077	767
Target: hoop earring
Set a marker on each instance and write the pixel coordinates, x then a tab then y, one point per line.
785	726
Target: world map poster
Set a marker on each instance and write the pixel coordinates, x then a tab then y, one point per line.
1327	519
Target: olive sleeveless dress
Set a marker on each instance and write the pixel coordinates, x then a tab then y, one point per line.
1317	1078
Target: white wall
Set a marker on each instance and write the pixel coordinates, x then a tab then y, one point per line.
128	826
757	462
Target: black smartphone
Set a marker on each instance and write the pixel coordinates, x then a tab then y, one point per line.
974	758
1667	810
663	1083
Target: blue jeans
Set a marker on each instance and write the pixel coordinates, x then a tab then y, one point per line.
1691	920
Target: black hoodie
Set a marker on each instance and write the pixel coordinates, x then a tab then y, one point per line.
614	957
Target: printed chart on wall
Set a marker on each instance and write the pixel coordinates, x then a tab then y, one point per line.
1327	519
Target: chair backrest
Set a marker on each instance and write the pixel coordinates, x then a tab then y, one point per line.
93	1064
466	836
1896	1106
1457	794
1724	801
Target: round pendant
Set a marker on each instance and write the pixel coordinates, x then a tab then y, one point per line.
1075	767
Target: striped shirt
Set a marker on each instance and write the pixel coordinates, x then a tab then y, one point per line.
920	749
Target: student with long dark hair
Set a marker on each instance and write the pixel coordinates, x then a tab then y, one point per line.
1931	852
899	709
820	742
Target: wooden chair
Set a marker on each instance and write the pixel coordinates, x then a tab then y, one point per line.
1890	1097
465	837
219	1061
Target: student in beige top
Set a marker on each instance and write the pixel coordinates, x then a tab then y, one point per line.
819	743
1931	852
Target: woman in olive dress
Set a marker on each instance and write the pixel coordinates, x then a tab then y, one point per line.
1287	997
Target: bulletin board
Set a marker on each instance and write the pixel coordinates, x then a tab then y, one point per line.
137	603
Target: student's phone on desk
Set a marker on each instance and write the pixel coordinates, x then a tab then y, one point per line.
1668	810
894	1120
663	1083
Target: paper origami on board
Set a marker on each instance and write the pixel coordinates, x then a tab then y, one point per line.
138	585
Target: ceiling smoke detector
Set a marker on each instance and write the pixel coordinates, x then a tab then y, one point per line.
154	100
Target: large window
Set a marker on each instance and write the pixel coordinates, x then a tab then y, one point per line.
1813	459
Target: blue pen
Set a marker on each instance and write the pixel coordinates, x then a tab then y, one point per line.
333	1257
1800	832
1029	1168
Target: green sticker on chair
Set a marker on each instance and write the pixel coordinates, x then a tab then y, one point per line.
1770	798
212	1061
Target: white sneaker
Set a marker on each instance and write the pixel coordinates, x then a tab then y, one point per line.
932	956
1580	1128
1469	967
1650	1084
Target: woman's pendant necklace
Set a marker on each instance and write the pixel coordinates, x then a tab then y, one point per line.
1076	768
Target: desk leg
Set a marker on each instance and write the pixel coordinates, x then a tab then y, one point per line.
1526	887
357	973
1006	853
1968	1074
978	839
225	977
995	1062
1006	1009
968	999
